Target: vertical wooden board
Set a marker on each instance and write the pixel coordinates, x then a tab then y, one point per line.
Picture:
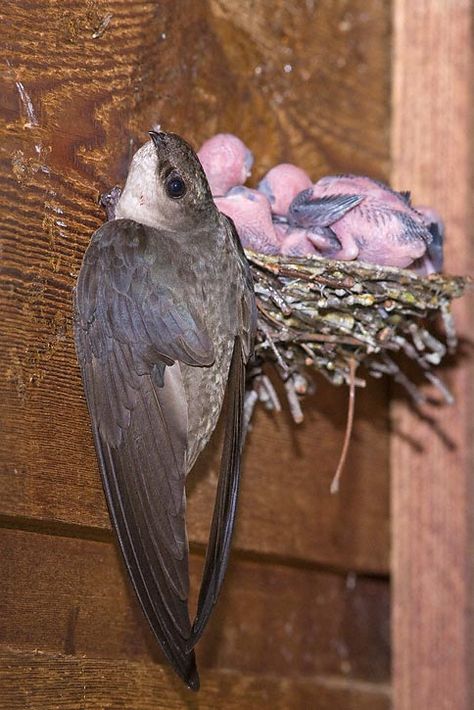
81	84
316	75
432	489
286	507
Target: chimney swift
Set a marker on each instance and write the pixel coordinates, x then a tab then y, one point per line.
373	223
251	213
227	162
164	325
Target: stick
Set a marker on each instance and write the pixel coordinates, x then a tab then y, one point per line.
347	436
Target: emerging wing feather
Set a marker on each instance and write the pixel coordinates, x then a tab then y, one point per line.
308	211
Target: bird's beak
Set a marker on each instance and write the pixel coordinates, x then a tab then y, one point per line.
157	137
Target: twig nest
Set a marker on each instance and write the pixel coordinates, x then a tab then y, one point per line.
329	260
317	314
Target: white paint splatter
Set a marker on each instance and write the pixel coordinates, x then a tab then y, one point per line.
28	106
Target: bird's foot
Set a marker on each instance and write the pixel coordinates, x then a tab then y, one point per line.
108	200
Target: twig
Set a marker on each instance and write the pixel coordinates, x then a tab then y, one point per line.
318	314
349	424
293	401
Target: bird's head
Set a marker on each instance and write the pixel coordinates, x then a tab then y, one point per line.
166	186
226	161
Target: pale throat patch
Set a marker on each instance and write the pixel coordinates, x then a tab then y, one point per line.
138	200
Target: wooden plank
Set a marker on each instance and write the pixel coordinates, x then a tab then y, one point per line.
77	95
286	507
31	681
72	596
313	81
432	488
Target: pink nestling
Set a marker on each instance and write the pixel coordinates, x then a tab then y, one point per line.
433	260
373	223
227	162
251	213
281	185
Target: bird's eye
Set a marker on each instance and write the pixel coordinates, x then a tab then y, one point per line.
175	187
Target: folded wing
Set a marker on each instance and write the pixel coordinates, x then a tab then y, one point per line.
130	333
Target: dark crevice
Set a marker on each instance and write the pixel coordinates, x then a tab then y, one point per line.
57	528
71	530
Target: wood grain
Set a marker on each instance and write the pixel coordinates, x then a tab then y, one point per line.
317	76
432	486
72	596
39	681
80	84
309	84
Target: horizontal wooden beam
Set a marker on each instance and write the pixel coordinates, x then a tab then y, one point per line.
72	596
48	681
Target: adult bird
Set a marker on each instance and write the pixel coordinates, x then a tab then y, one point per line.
164	321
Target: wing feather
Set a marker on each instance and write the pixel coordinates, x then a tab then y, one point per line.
218	548
309	212
130	330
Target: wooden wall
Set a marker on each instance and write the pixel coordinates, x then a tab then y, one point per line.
433	482
304	617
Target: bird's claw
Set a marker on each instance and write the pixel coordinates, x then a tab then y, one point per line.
108	200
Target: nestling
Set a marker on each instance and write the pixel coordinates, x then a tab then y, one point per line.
227	162
251	213
372	222
281	185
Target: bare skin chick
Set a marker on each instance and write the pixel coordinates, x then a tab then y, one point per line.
251	213
432	262
227	162
281	185
296	243
379	226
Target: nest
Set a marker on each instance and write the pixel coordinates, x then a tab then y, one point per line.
334	317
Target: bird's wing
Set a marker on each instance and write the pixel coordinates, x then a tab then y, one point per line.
222	525
404	227
435	249
247	309
218	548
412	226
130	331
308	211
406	196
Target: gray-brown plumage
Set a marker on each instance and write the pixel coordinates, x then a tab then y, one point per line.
164	319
